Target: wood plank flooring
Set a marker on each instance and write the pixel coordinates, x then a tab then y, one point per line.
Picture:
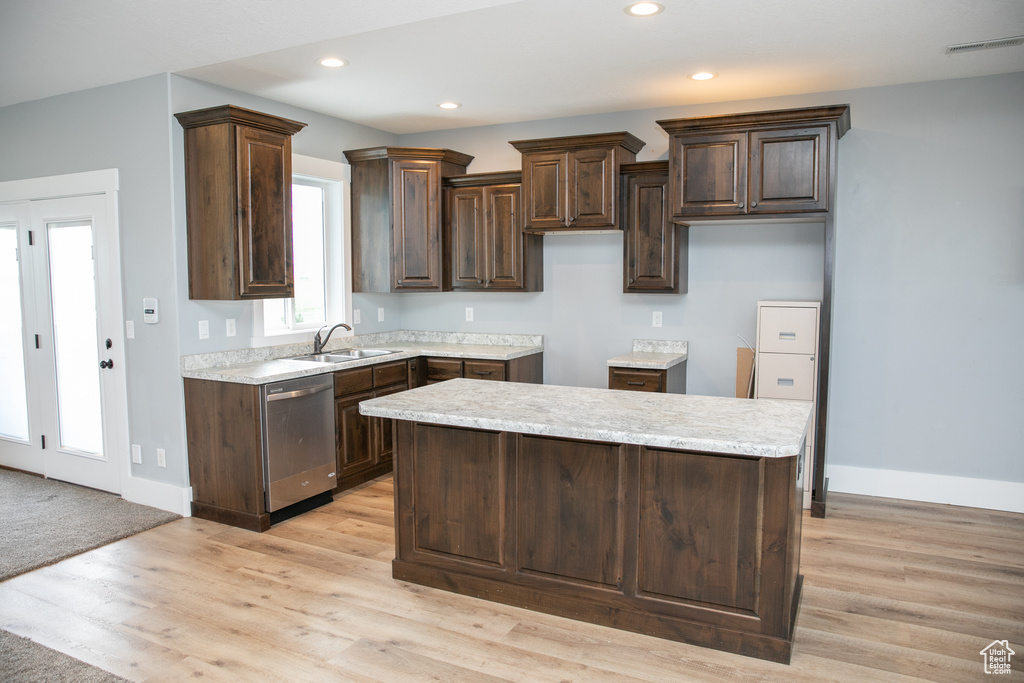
893	590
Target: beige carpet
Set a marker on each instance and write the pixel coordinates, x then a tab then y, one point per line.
25	661
43	521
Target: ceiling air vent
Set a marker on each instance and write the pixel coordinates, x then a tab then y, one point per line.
984	45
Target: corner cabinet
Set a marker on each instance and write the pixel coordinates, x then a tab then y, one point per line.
397	243
483	223
571	183
777	162
655	250
238	172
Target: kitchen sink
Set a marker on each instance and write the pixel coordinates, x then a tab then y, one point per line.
343	355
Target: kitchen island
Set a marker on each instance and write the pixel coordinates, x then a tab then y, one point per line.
670	515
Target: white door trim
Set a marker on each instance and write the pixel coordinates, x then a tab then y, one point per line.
101	182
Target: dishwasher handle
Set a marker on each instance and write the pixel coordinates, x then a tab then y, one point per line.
299	392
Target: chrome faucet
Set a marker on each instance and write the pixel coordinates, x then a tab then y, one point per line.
318	343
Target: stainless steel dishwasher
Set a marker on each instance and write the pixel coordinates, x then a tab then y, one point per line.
298	439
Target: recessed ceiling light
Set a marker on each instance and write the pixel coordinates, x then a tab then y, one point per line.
332	62
449	105
644	9
702	76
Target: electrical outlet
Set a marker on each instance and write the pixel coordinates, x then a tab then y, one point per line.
204	329
356	317
469	314
380	315
656	319
129	329
161	458
136	454
229	327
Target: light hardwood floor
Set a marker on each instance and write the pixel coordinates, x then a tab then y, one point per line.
894	591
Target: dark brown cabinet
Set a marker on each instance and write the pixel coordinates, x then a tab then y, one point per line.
523	369
238	175
397	242
670	381
655	250
484	230
571	183
753	164
364	443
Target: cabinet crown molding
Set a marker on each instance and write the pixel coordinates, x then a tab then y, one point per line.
619	139
644	167
415	153
839	113
229	113
480	179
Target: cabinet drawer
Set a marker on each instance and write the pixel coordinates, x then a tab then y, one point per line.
351	381
636	380
788	329
390	373
438	369
480	369
784	375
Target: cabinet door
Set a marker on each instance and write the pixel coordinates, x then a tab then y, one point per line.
466	220
544	187
383	429
592	182
504	237
651	248
354	435
710	174
416	248
788	170
264	174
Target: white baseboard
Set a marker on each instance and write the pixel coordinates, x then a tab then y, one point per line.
155	494
990	494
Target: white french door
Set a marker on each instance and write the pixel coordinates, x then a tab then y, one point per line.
63	404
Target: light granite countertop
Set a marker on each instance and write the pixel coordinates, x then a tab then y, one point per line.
761	428
274	364
652	354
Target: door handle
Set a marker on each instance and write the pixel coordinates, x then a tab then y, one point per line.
107	364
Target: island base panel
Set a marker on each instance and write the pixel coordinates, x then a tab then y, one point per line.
646	623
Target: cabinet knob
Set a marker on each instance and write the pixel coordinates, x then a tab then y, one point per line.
741	205
753	203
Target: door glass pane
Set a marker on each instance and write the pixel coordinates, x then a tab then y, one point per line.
73	298
13	399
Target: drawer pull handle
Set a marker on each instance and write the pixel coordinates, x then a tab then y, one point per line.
482	372
784	382
787	336
635	384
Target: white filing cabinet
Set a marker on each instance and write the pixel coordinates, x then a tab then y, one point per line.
786	363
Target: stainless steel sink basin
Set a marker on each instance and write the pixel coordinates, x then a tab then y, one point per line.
342	355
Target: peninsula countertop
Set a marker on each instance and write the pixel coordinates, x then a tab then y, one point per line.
711	424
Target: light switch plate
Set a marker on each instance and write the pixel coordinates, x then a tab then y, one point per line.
129	329
656	319
356	317
469	314
380	315
204	329
136	454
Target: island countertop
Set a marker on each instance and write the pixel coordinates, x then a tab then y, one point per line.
711	424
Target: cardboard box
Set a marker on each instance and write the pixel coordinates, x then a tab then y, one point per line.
744	373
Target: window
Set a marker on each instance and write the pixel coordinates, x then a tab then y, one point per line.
319	248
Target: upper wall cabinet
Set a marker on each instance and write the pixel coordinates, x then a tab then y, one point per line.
655	250
484	231
571	183
397	241
776	162
238	170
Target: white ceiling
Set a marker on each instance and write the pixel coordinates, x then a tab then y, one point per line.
503	60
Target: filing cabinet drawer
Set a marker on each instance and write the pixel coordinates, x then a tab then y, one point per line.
788	329
784	375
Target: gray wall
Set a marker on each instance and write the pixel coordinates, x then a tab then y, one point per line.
929	292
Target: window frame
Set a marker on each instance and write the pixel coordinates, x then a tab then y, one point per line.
337	247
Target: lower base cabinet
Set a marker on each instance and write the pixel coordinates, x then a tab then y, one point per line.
528	369
670	381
